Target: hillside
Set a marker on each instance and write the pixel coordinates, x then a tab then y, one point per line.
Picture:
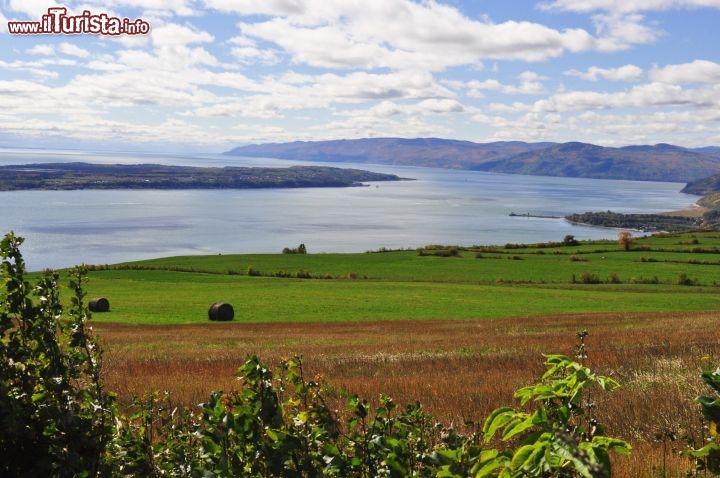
428	152
704	186
660	162
645	163
66	176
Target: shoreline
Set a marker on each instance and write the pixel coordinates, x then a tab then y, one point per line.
694	210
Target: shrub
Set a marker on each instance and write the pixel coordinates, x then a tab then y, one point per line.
57	418
570	240
303	274
683	279
440	251
589	278
301	249
560	437
644	280
707	457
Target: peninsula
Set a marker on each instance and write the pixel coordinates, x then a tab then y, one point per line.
76	175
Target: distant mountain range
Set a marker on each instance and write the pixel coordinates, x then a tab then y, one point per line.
660	162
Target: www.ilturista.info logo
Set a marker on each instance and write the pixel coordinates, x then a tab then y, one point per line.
58	22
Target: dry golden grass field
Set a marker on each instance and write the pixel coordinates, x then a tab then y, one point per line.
458	370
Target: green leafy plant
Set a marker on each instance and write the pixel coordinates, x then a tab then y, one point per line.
558	438
55	415
707	458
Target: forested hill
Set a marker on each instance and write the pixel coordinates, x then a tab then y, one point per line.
61	176
662	162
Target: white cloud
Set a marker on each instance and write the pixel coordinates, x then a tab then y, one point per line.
172	34
41	49
34	9
299	69
698	71
439	106
66	48
530	83
258	7
650	95
73	50
620	23
621	31
400	35
246	50
623	73
625	6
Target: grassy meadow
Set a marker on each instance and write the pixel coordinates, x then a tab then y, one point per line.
478	283
458	333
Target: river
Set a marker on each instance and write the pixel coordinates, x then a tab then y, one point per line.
440	206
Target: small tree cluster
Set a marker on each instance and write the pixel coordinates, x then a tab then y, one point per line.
625	240
301	249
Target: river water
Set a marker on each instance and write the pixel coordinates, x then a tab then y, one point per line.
440	206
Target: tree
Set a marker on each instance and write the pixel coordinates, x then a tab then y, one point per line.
301	249
570	240
625	240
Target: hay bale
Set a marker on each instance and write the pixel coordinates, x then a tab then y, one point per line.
99	304
221	311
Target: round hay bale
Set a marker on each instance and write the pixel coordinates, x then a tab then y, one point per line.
99	304
221	311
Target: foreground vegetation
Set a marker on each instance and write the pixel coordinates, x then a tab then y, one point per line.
461	371
58	419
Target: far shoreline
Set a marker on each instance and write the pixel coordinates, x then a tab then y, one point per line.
694	210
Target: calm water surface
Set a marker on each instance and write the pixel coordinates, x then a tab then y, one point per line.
64	228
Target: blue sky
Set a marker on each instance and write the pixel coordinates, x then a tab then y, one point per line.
213	74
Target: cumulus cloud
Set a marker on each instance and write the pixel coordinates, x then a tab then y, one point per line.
73	50
258	7
34	9
246	50
623	73
41	49
299	69
399	34
698	71
648	95
530	83
621	31
621	23
625	6
173	35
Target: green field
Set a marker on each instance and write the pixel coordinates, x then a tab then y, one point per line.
678	272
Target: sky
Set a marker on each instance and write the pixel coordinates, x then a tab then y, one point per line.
210	75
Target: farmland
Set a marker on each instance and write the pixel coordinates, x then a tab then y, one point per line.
483	282
456	328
